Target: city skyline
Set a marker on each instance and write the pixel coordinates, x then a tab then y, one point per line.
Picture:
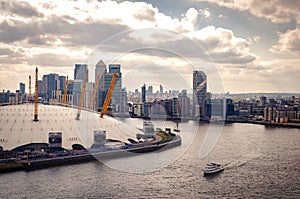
243	47
23	87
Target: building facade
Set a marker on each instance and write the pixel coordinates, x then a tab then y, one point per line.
199	93
184	103
116	96
22	88
100	72
79	71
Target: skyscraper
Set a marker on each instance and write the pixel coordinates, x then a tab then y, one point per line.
144	93
79	71
100	71
40	89
79	76
116	96
150	90
44	93
161	89
146	112
184	103
50	83
123	103
62	82
22	88
199	93
263	101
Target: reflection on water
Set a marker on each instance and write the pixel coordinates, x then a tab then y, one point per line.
150	162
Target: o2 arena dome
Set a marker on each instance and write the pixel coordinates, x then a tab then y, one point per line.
18	130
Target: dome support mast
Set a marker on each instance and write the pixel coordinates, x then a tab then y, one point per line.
82	94
109	95
65	93
36	93
29	96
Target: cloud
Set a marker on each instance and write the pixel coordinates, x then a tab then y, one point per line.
204	13
12	55
67	31
12	31
90	28
277	11
5	51
267	75
52	60
208	44
256	38
189	19
20	8
48	31
145	14
222	16
288	42
222	45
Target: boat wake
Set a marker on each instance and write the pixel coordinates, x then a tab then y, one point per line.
241	161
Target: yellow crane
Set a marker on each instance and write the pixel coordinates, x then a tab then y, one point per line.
82	94
109	94
65	93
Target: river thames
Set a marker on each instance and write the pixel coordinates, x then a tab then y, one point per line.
259	162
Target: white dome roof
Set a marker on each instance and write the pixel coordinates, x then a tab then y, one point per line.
17	127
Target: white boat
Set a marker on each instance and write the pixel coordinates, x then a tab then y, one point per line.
213	168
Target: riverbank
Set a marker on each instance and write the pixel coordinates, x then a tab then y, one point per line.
185	119
267	124
33	163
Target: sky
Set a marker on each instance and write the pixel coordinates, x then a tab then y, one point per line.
242	46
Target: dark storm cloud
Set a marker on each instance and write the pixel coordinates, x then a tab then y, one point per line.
19	8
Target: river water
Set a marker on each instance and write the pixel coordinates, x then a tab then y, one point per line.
259	162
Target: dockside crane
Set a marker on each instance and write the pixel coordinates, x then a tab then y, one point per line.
82	94
109	94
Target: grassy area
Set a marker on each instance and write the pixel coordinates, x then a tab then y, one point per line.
165	136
